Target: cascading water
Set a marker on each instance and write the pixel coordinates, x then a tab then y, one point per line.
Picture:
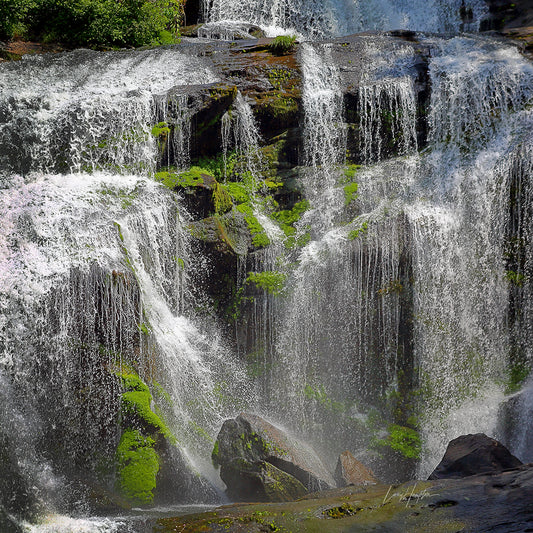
318	18
408	311
95	276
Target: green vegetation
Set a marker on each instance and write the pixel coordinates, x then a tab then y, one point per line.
516	375
406	441
271	281
359	232
93	23
341	511
515	278
350	193
136	403
319	395
259	237
282	44
138	465
190	178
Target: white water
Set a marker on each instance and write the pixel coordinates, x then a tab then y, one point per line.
438	225
98	265
324	134
325	18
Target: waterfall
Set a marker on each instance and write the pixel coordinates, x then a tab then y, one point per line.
318	18
324	135
403	299
97	271
461	237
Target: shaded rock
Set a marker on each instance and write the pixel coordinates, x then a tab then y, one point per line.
259	481
350	471
474	454
228	30
191	12
201	106
201	193
226	234
253	439
8	524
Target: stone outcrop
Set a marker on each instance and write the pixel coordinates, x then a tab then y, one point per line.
243	446
350	471
474	454
260	481
490	503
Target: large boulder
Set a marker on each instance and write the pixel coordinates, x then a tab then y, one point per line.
474	454
251	439
260	481
350	471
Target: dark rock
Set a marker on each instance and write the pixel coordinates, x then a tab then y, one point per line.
16	496
201	105
259	481
474	454
7	523
191	12
201	194
253	439
230	31
350	471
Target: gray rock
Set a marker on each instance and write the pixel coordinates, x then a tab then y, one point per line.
259	481
253	439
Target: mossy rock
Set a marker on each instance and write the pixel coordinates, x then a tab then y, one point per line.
259	481
253	439
202	194
137	465
278	111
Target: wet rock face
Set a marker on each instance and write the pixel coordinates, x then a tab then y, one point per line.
469	455
250	450
494	503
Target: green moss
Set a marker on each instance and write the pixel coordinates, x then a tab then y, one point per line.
515	278
259	237
403	440
160	130
137	466
221	199
214	454
272	282
221	166
144	328
350	171
359	232
282	44
516	375
238	192
137	401
341	511
350	193
319	395
193	177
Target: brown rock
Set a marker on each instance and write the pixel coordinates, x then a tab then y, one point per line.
350	471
